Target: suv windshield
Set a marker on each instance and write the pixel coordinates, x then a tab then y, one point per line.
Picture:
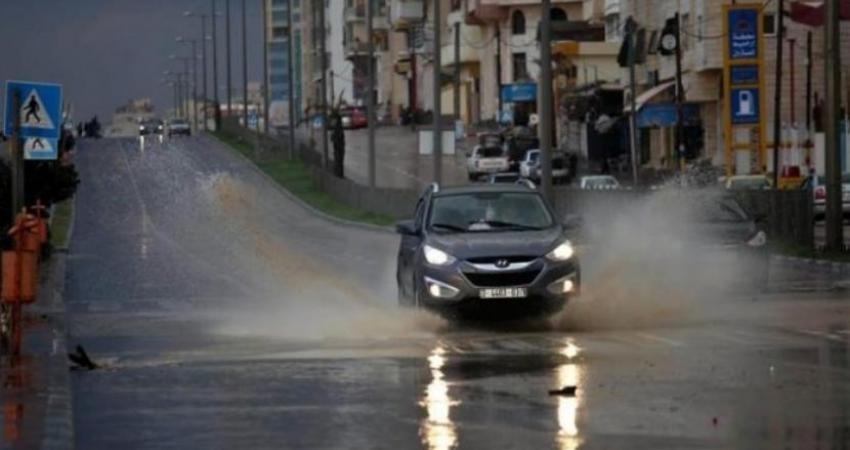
489	211
489	152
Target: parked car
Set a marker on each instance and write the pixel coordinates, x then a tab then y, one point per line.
179	127
528	165
817	184
485	160
746	182
518	143
354	118
151	126
598	182
486	249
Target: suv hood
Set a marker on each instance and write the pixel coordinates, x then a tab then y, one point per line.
496	244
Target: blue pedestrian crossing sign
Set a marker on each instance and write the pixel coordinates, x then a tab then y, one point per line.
40	110
41	149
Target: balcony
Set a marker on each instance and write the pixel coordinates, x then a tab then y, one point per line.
471	39
405	13
357	13
481	12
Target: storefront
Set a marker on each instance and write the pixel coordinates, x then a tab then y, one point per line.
519	102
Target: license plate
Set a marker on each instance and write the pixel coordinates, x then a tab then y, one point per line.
503	293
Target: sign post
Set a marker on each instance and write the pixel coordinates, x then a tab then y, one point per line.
38	112
743	87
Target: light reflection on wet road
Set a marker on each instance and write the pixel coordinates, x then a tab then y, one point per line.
228	317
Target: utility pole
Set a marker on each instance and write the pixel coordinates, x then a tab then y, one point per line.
324	87
370	95
290	81
215	68
499	71
194	84
266	67
244	66
16	150
227	44
438	107
174	85
456	90
809	65
777	92
680	93
204	64
544	99
791	79
630	29
179	92
832	70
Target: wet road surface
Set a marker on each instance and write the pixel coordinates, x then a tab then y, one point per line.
226	316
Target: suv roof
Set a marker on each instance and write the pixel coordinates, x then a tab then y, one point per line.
483	188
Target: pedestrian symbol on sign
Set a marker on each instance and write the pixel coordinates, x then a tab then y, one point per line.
38	148
33	112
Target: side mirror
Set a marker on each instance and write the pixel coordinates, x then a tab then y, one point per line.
760	217
406	228
573	222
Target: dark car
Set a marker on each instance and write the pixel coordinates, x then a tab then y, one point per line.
725	240
151	126
179	127
486	249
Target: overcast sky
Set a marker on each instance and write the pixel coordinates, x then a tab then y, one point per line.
106	52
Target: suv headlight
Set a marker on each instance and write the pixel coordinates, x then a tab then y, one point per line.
758	240
562	252
437	257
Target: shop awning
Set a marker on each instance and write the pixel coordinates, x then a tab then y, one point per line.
647	96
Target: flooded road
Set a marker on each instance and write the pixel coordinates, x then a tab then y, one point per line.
227	316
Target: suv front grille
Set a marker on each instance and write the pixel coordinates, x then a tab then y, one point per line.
502	279
494	259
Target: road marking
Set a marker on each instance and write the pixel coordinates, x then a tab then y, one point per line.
656	338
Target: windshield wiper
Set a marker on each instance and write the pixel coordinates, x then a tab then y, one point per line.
516	226
448	226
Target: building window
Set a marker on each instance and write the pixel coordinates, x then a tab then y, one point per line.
769	23
612	27
455	5
557	15
518	22
279	33
520	69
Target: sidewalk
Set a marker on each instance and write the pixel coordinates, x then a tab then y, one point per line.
36	394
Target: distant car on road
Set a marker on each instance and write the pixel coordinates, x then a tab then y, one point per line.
817	183
529	164
529	167
746	182
485	160
598	182
150	126
179	127
484	249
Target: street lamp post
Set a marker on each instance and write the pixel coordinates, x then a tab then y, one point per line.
185	60
194	59
215	67
203	61
244	67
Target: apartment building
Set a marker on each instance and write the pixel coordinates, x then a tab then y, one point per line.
702	66
278	55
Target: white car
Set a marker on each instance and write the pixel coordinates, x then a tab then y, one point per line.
529	164
486	160
598	182
817	183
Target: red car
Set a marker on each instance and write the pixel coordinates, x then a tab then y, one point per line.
354	118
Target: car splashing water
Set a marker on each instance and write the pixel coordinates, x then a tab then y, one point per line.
648	262
304	286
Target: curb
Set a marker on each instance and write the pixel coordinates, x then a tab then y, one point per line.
302	203
58	430
833	267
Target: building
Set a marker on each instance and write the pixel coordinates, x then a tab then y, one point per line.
701	23
278	55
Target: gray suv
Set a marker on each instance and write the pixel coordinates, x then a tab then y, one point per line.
495	250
